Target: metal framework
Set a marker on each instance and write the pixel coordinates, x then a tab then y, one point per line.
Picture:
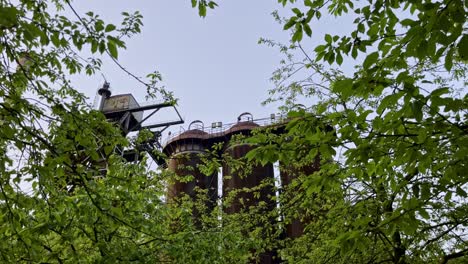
128	114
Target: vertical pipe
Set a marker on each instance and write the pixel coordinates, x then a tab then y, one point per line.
105	93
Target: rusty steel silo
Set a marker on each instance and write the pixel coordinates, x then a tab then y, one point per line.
288	173
235	178
185	152
242	179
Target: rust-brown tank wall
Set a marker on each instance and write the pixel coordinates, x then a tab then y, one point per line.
234	180
184	158
184	164
287	174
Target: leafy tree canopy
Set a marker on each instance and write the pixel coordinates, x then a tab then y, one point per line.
398	149
393	178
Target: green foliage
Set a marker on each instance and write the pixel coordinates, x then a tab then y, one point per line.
65	196
398	150
400	131
202	5
390	139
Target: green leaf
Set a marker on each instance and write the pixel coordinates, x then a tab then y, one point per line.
112	49
339	58
407	22
310	14
297	37
55	39
297	12
110	28
361	27
320	48
354	52
388	102
448	196
439	92
344	87
202	10
99	25
328	38
373	30
460	192
307	29
8	16
423	213
94	46
108	150
289	24
463	47
370	60
449	60
422	135
102	46
212	5
330	57
416	108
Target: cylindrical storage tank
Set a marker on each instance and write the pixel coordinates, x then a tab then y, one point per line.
233	179
185	153
289	171
242	180
295	226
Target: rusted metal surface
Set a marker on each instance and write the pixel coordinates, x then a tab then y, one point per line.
189	141
184	150
184	159
244	179
186	164
214	134
289	173
295	228
242	128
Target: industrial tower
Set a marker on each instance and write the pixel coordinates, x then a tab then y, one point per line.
130	116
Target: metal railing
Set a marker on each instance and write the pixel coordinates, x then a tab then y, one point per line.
218	128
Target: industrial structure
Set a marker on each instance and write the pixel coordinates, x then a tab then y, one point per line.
186	150
130	116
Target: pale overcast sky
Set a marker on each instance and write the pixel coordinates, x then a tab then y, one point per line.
213	65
